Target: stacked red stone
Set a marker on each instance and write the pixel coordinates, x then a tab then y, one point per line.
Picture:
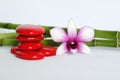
30	46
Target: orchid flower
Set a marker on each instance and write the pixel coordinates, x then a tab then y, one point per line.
72	41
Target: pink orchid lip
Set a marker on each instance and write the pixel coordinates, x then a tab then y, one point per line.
72	44
72	40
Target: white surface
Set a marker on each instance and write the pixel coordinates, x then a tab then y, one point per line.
102	64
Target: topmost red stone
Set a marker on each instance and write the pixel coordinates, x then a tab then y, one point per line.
30	30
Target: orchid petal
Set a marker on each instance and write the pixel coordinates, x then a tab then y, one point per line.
83	48
62	49
73	51
58	35
72	32
86	34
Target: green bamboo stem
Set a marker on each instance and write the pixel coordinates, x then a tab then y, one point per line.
8	35
8	25
104	43
14	42
98	33
13	35
8	42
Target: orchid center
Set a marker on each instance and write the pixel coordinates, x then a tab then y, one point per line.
72	44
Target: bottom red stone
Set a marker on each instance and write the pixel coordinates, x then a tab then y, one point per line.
34	54
48	50
30	55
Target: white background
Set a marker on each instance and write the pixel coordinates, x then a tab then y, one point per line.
102	64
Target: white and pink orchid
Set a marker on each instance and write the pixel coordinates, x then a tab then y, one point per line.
73	41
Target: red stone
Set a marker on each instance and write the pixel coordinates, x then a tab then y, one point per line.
30	30
30	55
30	38
48	50
30	45
14	49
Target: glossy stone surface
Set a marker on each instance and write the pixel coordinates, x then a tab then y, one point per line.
30	55
30	45
14	49
30	30
30	38
48	50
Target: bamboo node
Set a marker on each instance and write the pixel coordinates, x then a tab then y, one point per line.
117	39
94	42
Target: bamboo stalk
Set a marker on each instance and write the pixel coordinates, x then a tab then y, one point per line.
13	35
8	42
8	35
98	33
104	43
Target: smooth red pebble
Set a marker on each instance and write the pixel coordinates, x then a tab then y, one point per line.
30	38
14	49
30	30
30	45
30	55
48	50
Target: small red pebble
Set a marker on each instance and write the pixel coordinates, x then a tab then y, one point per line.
30	38
14	49
48	50
30	30
30	45
30	55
